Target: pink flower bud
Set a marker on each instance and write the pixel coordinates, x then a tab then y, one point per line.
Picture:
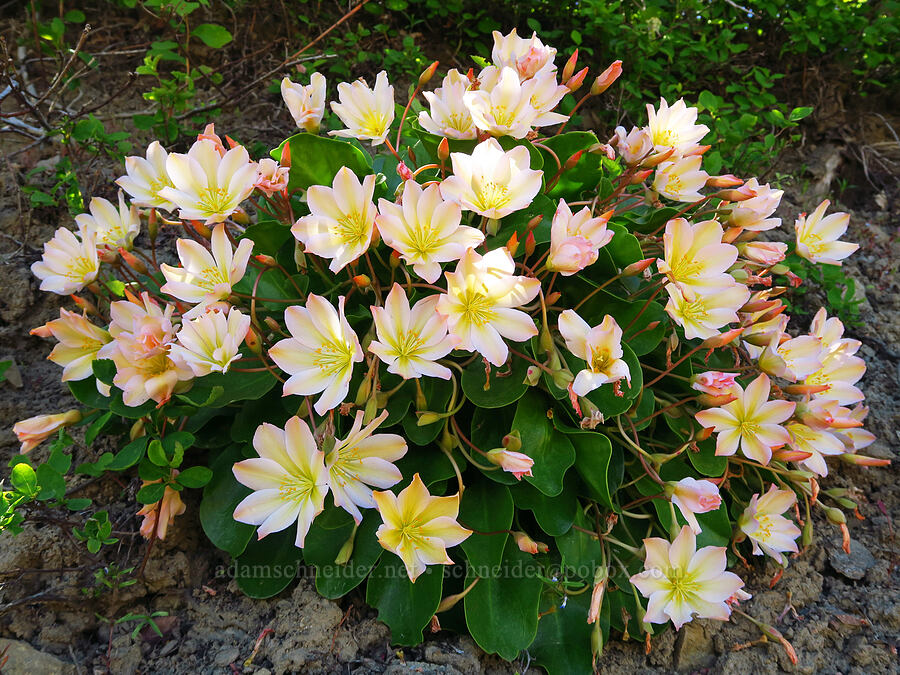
35	430
693	496
713	382
725	181
606	78
766	253
516	463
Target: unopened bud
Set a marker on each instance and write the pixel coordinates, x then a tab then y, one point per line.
725	181
512	441
806	534
658	158
525	543
780	268
735	195
640	176
562	378
411	154
138	429
569	68
532	376
266	260
428	417
443	150
201	229
533	223
512	244
638	267
574	83
530	243
427	74
404	172
362	281
272	323
805	389
835	516
85	305
605	79
864	460
107	256
492	227
715	401
553	297
722	339
299	256
239	216
788	455
253	341
703	434
152	225
572	161
285	159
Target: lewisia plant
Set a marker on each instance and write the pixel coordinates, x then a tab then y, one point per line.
554	364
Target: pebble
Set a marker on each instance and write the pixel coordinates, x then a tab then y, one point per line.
853	566
227	655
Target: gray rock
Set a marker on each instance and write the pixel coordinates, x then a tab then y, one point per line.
227	655
23	659
420	668
694	647
853	565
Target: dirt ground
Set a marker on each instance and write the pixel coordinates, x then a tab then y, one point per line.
841	613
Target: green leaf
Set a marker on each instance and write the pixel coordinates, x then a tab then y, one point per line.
585	175
130	455
234	386
404	606
104	370
78	504
268	565
156	453
581	553
505	387
323	545
315	160
97	427
551	451
437	393
150	494
563	642
798	114
706	461
485	507
85	392
593	453
554	515
220	497
24	479
194	477
213	35
502	609
53	485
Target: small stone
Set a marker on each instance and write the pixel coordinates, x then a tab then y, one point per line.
23	659
853	565
227	656
694	647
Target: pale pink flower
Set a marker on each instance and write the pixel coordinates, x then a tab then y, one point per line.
108	226
163	511
211	342
79	342
320	353
479	305
305	103
272	176
367	113
503	109
770	532
713	382
289	480
681	180
681	581
341	219
695	258
708	311
634	146
754	214
528	56
144	178
766	253
792	359
817	442
576	240
693	496
68	264
516	463
751	421
362	461
818	234
675	127
35	430
600	347
448	114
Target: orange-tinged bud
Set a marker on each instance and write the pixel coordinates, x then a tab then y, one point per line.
231	142
286	156
572	161
864	460
362	281
772	313
240	217
534	222
785	455
638	267
253	341
658	158
722	339
202	229
525	543
35	430
85	305
703	434
606	78
132	261
411	154
759	305
395	260
575	82
266	260
512	441
427	74
443	150
735	195
530	243
640	176
715	401
41	331
698	150
107	256
596	600
137	430
553	297
404	172
272	323
724	181
152	225
569	68
805	389
513	244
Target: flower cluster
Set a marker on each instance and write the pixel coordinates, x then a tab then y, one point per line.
529	313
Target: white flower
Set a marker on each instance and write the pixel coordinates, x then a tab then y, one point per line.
504	109
754	214
211	342
633	146
576	240
491	182
362	460
68	264
693	496
146	177
208	186
206	276
410	341
681	581
320	353
288	479
109	226
599	347
478	305
448	114
425	229
675	127
708	311
305	103
818	443
681	180
818	234
79	342
367	113
341	219
769	531
527	56
544	94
